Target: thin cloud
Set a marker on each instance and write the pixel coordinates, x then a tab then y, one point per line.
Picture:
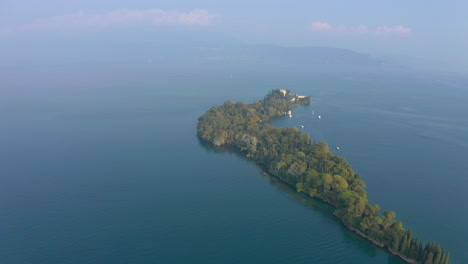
320	26
80	20
396	30
325	27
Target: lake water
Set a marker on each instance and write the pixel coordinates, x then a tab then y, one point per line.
102	165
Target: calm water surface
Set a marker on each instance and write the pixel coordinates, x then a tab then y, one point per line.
104	166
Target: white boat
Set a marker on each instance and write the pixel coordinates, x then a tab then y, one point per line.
302	126
337	148
319	117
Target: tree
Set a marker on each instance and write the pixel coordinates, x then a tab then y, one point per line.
446	259
387	219
429	259
299	187
437	256
404	244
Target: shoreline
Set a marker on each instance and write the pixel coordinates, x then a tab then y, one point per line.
356	231
379	244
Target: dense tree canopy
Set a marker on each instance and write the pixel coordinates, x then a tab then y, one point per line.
312	168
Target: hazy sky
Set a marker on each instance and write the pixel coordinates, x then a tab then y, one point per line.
428	29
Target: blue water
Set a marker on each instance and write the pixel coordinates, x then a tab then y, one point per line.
102	165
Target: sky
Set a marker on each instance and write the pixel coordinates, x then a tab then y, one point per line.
435	30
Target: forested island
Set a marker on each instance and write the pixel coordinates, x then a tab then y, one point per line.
292	157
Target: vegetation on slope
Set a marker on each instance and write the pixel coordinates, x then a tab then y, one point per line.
291	156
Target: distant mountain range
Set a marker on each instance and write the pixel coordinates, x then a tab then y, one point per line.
187	50
297	58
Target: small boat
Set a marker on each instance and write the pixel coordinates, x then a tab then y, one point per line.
337	148
319	117
313	113
302	126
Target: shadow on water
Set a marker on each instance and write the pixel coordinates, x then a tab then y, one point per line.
224	149
277	183
325	210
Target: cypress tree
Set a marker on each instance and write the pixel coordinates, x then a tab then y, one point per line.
423	256
404	245
447	258
427	248
437	257
420	251
395	245
433	247
414	248
442	257
429	258
409	233
409	251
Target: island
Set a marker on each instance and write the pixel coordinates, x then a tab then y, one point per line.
311	168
